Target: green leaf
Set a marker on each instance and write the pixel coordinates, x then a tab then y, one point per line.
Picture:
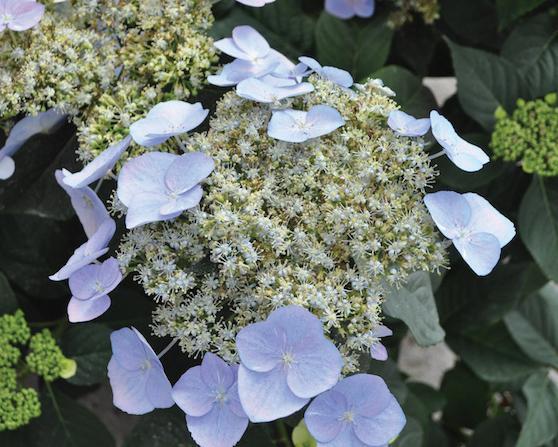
500	431
414	304
432	399
466	398
485	81
8	300
283	24
360	48
510	10
538	223
541	425
533	48
411	436
413	97
256	435
89	345
492	354
301	437
534	326
161	428
65	423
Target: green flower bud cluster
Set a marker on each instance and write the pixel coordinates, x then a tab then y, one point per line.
429	10
165	53
326	224
17	406
46	359
529	135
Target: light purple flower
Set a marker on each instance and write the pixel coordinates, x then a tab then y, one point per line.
166	120
208	394
138	380
357	412
20	15
94	248
285	361
296	126
159	186
255	3
88	207
345	9
378	351
99	167
23	131
260	91
478	231
333	74
463	154
406	125
90	287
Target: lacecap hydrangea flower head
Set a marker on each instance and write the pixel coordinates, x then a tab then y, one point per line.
325	223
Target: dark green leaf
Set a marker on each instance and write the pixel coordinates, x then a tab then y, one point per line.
388	371
256	435
89	345
411	436
485	81
282	23
538	223
432	399
492	354
360	48
161	428
500	431
414	304
413	97
8	300
466	398
510	10
541	425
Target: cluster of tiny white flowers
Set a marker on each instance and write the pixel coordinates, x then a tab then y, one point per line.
325	225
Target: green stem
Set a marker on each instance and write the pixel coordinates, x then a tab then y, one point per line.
57	410
279	435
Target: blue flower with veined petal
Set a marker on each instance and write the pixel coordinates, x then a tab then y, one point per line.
137	378
378	351
406	125
345	9
166	120
285	361
296	126
208	394
260	91
333	74
357	412
90	287
477	230
158	186
20	15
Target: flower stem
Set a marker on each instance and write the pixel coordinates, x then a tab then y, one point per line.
439	154
279	435
168	347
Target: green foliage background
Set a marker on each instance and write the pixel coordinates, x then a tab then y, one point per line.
504	328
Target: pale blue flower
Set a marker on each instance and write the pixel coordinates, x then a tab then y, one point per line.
260	91
246	43
239	70
22	131
166	120
99	167
463	154
359	411
285	361
208	394
378	351
333	74
94	248
138	380
478	231
20	15
406	125
296	126
255	3
158	186
88	207
345	9
90	287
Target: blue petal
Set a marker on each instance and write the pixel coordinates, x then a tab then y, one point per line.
128	349
7	167
219	428
324	416
259	346
99	167
250	41
95	280
480	250
158	387
216	373
80	311
323	119
450	211
89	208
342	9
287	125
187	171
407	125
260	91
266	396
365	8
192	394
338	76
367	395
486	219
296	322
184	202
128	389
347	438
378	352
382	428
